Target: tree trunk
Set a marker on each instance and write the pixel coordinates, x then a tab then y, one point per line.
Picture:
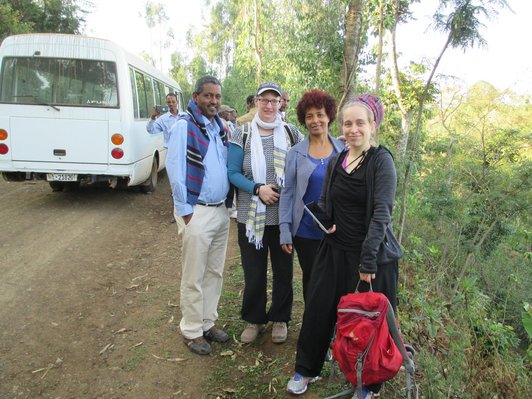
353	34
406	115
379	48
256	41
411	153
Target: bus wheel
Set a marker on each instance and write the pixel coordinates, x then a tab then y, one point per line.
72	185
56	186
150	185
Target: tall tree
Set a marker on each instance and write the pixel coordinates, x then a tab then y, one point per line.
460	20
354	30
298	44
156	19
56	16
401	14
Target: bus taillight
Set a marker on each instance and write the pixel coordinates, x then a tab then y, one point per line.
3	149
3	134
117	139
117	153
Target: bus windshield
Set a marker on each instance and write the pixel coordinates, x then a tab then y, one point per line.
59	81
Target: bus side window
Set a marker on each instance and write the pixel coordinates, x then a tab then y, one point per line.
151	101
134	93
160	95
141	88
182	105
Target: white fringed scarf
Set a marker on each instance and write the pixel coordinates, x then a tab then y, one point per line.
256	220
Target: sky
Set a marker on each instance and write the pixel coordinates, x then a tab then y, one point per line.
506	62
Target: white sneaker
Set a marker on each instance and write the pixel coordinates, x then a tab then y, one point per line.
298	384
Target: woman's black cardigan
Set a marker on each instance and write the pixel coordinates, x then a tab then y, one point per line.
381	182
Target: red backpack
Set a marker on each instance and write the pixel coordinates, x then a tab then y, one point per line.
367	346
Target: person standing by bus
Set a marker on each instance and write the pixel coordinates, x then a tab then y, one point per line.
164	122
197	169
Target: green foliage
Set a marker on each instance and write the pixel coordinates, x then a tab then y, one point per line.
467	262
278	41
460	19
25	16
526	316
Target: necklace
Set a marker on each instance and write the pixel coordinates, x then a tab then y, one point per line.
361	157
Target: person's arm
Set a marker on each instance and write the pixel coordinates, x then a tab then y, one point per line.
155	126
235	171
151	121
266	192
385	182
287	198
176	167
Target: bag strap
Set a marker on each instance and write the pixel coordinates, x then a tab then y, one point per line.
407	361
290	135
245	134
370	287
246	129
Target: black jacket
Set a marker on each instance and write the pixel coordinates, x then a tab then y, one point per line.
379	246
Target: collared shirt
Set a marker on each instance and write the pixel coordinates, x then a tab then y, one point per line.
215	182
162	124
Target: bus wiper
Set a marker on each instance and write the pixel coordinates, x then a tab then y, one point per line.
38	101
50	105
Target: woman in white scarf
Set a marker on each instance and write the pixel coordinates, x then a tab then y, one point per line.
256	167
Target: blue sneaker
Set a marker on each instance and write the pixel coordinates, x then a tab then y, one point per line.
366	393
298	384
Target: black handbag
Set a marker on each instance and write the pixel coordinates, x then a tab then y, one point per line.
389	250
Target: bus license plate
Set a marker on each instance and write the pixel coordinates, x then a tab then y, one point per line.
61	177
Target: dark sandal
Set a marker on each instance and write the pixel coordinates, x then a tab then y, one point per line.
198	346
215	334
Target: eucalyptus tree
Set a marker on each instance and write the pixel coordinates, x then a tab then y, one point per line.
51	16
461	21
354	33
298	44
156	19
401	14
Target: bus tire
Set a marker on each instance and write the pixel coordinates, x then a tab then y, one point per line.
72	185
150	185
56	186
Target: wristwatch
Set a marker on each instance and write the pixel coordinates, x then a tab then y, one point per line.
256	188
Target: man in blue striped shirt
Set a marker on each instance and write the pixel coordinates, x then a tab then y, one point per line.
197	169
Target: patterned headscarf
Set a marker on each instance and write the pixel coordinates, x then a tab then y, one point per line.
374	105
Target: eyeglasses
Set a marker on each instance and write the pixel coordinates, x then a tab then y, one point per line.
265	101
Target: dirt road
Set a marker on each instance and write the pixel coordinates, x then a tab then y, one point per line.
88	295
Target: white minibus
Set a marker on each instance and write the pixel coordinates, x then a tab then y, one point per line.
74	109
